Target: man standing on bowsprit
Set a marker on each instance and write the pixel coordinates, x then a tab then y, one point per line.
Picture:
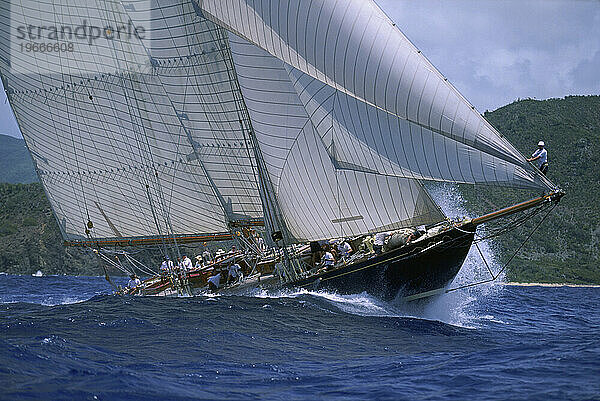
541	155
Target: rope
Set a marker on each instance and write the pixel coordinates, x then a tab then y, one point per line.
494	277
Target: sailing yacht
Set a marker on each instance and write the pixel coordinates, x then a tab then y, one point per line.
313	119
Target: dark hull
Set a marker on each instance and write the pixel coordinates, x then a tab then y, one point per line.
415	268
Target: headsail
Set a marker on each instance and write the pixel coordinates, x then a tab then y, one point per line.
151	145
318	197
379	89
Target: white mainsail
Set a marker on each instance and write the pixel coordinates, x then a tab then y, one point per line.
153	146
379	88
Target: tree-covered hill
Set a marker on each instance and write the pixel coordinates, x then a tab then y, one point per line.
16	165
566	247
29	236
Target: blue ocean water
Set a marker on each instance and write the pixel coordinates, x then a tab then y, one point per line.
68	338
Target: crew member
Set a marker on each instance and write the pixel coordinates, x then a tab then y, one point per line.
234	272
541	155
186	263
164	267
327	260
214	281
380	241
134	281
344	249
315	250
206	255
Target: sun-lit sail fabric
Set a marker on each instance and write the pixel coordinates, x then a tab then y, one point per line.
317	197
381	79
153	146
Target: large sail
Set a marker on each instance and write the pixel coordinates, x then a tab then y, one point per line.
318	197
378	88
148	144
167	133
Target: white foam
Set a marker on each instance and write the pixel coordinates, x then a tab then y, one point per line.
63	301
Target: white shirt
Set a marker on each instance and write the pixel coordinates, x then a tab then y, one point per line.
164	265
327	259
186	263
380	238
215	279
206	255
543	156
344	248
134	283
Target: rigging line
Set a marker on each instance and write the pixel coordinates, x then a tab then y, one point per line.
142	267
240	106
514	224
494	277
484	260
271	207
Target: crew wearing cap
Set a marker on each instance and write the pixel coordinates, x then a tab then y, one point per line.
541	155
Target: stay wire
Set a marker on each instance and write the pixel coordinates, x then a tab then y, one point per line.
494	277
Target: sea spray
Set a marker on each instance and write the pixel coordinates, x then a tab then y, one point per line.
457	307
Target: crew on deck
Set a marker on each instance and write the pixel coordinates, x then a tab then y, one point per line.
344	249
327	260
134	281
234	273
379	241
206	255
164	267
214	282
186	263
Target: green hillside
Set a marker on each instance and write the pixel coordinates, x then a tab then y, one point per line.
29	236
565	249
16	165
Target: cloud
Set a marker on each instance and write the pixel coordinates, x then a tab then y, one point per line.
586	75
497	51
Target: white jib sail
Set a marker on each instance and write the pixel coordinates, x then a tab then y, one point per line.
317	197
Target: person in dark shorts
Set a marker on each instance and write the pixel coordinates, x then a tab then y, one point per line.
315	251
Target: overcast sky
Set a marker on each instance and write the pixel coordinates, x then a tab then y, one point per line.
494	51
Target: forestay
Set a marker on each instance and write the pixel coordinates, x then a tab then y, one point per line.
152	145
348	61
